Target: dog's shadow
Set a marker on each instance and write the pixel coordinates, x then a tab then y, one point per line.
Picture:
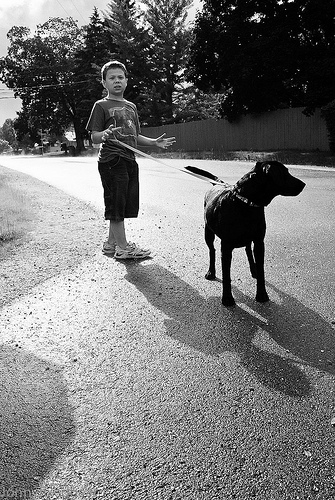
274	341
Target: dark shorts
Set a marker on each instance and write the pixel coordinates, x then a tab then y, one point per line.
120	183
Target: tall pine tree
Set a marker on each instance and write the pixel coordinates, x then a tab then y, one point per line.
166	20
152	42
97	49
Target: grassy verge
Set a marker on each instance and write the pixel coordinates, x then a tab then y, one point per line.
15	212
288	157
317	158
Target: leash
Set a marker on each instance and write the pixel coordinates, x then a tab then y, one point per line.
191	170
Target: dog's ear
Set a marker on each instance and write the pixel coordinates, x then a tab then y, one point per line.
257	168
266	167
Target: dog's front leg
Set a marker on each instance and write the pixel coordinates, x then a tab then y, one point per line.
209	238
226	257
259	251
251	260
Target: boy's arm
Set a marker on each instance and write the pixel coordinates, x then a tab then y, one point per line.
98	137
161	141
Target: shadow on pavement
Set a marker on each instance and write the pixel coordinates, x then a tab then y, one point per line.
272	340
36	421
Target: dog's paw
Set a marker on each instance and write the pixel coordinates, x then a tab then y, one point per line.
262	297
210	276
228	301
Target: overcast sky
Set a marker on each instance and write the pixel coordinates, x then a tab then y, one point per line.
30	13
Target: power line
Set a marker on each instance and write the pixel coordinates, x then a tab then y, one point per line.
64	8
39	87
78	11
69	15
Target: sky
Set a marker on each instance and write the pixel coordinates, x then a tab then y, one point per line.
30	13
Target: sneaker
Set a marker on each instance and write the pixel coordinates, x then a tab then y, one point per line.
131	252
108	248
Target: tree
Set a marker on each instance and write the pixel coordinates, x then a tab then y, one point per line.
192	104
4	146
134	49
97	48
152	42
166	20
264	54
39	68
7	131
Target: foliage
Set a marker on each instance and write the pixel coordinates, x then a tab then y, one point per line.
132	46
166	21
266	54
55	70
39	68
4	145
96	49
7	131
192	104
152	42
15	212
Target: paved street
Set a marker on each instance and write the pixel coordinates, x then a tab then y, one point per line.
166	394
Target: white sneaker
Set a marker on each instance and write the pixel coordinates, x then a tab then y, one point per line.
131	252
108	249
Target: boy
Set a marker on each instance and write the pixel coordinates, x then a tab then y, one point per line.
114	121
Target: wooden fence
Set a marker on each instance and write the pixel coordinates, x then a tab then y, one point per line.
285	129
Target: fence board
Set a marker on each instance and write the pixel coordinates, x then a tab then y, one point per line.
272	131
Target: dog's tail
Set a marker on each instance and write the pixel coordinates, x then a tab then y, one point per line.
205	176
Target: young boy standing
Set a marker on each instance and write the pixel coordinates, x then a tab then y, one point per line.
114	124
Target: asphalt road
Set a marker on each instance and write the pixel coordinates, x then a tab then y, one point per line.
172	395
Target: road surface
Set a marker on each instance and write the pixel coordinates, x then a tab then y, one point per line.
173	396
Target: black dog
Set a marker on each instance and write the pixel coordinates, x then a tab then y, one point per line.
236	216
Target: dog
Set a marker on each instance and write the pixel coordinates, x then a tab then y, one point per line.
236	215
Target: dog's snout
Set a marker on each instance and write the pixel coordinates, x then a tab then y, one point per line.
300	186
293	187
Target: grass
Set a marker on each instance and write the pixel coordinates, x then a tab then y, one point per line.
14	212
289	157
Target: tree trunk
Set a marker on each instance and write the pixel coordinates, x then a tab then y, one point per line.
79	135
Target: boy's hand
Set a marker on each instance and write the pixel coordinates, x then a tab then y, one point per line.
164	142
109	132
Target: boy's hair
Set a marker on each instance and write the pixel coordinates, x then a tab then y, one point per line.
113	64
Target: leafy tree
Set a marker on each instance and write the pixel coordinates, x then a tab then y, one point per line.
39	68
7	131
192	104
265	54
26	134
318	48
4	146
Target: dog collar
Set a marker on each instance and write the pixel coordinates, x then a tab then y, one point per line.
245	200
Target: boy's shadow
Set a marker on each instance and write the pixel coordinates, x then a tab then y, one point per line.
36	421
268	338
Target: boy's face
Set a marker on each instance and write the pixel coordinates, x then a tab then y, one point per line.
115	82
